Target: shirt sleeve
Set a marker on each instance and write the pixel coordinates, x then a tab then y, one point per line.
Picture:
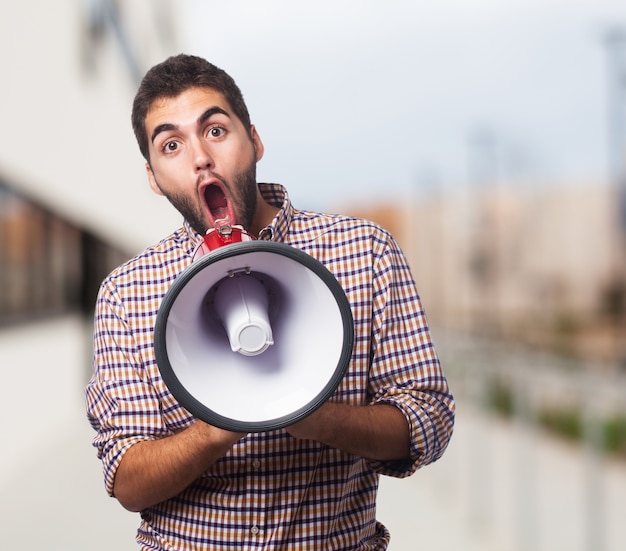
122	405
405	370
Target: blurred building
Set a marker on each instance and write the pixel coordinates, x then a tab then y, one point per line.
71	176
539	265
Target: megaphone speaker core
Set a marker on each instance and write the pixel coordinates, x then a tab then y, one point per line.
241	302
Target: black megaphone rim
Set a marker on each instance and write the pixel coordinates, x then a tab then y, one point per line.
203	411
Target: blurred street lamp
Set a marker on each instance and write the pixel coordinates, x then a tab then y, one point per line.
615	42
615	298
484	249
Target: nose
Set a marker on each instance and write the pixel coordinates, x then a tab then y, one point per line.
202	156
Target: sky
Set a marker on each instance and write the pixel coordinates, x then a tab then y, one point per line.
361	101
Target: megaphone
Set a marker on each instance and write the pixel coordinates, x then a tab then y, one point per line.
253	336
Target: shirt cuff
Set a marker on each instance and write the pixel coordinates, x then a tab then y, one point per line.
112	458
404	467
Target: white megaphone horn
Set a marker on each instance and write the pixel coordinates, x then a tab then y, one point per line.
253	335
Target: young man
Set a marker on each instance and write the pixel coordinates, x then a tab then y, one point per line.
313	485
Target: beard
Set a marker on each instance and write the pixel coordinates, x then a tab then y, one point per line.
242	194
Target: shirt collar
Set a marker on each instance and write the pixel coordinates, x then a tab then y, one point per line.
193	238
277	196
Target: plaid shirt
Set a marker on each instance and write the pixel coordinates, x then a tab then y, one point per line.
272	491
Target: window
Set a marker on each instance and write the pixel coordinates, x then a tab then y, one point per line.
48	266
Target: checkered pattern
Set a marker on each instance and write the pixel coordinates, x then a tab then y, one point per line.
271	491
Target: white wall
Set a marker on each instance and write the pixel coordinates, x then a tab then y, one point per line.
67	139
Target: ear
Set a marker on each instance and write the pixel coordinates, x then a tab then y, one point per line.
257	143
152	180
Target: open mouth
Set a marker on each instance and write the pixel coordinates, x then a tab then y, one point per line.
217	203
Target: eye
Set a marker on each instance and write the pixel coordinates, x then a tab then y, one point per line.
215	132
170	146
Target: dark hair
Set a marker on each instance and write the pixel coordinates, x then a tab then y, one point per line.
174	76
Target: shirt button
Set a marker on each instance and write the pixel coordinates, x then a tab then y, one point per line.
256	464
254	530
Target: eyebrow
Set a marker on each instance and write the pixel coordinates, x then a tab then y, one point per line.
168	126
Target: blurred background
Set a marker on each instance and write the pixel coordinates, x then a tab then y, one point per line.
488	137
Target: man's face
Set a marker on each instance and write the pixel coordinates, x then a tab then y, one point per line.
203	159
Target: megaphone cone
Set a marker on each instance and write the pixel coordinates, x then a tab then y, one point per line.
254	336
